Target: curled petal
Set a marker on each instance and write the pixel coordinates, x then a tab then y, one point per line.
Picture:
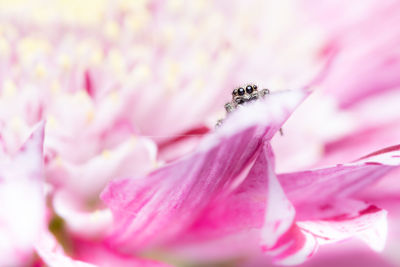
293	247
254	203
257	209
322	205
79	220
258	206
280	236
324	213
134	157
53	255
279	214
171	198
339	181
348	218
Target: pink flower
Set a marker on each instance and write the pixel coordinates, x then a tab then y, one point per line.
131	91
228	187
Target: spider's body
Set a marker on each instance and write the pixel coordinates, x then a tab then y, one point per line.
243	95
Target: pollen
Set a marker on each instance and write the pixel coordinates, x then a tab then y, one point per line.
173	69
202	59
116	61
137	22
106	154
97	56
175	5
115	97
111	29
81	97
52	121
156	164
58	161
95	216
90	116
17	123
137	5
65	61
40	71
55	87
9	88
142	72
168	33
198	85
31	47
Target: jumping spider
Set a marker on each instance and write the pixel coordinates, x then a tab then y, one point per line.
242	95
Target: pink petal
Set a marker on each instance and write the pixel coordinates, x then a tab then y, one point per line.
133	157
102	255
317	223
279	214
280	236
342	219
307	131
360	142
79	220
246	207
22	206
170	199
258	208
387	188
339	181
294	247
347	254
86	254
182	144
370	130
53	255
373	64
319	197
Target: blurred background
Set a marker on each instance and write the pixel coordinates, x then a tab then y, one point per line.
102	73
161	54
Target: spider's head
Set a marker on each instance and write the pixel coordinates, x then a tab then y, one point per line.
242	95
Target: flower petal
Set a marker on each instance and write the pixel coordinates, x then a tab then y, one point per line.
170	199
258	208
104	256
348	218
294	247
134	157
22	206
53	255
279	215
339	181
245	207
374	126
78	220
322	207
373	64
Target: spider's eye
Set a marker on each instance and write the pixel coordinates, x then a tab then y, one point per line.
240	91
249	89
235	92
255	87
